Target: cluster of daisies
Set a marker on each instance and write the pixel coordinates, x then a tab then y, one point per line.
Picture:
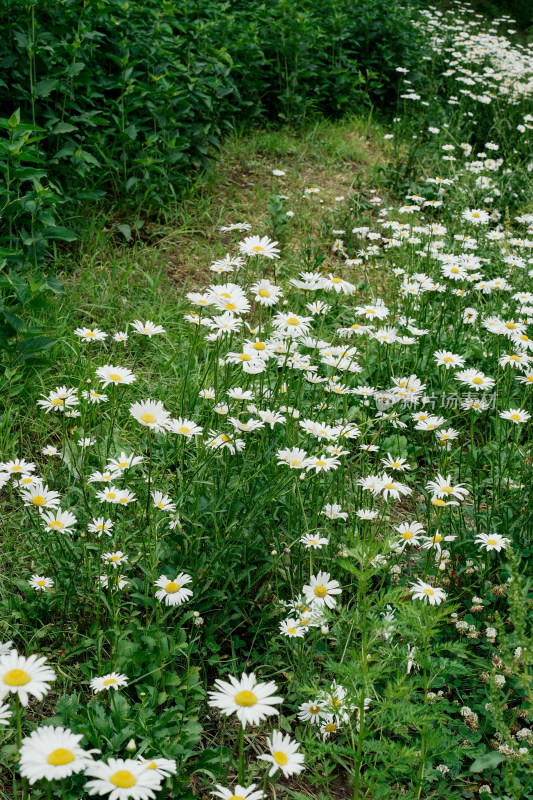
53	753
366	404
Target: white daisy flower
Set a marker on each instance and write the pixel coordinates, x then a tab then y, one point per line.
147	328
292	629
259	246
173	592
52	754
5	714
59	520
90	334
321	590
113	374
283	755
114	680
492	541
431	594
313	541
251	701
151	414
24	676
238	793
40	583
122	779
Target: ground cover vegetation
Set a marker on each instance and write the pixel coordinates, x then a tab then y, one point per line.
266	468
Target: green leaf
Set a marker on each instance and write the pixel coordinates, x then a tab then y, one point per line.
54	284
59	232
488	761
46	87
63	127
14	119
35	344
125	231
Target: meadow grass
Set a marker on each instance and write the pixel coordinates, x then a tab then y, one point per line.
267	508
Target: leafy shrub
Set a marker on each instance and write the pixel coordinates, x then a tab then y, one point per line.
131	96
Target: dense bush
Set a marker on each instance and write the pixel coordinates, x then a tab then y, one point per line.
131	95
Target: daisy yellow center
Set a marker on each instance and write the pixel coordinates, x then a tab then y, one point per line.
280	757
151	765
448	360
529	378
516	417
354	327
236	797
259	346
477	381
225	294
293	321
291	630
184	429
320	591
390	486
295	462
57	401
258	248
123	465
264	293
304	622
407	535
437	538
245	698
336	280
245	357
109	681
224	438
115	558
320	463
89	334
510	325
454	270
447	489
475	214
16	677
38	500
111	495
114	376
41	583
430	592
514	358
123	778
330	727
60	756
314	709
492	541
148	418
160	504
27	480
56	524
438	502
230	306
172	587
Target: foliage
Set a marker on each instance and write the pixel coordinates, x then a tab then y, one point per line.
343	510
